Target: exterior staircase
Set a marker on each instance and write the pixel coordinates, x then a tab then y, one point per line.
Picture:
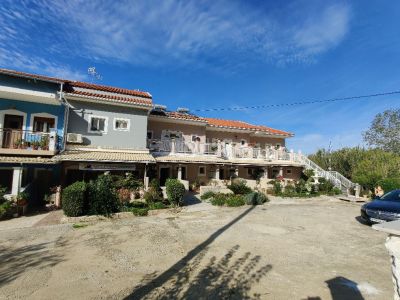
336	178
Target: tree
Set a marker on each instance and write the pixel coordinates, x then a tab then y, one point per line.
377	165
384	132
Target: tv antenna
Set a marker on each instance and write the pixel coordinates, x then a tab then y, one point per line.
94	74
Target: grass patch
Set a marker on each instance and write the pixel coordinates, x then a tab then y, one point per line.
79	225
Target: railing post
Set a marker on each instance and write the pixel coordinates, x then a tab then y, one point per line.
291	155
52	140
219	148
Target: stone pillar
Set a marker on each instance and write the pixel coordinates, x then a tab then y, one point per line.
237	171
16	181
393	246
219	148
265	173
57	202
357	190
217	173
145	178
197	146
280	171
179	172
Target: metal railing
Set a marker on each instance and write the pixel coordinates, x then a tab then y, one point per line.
28	140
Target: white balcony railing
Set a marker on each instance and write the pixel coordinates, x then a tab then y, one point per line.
219	149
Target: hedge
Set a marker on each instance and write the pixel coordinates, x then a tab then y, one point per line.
175	191
74	199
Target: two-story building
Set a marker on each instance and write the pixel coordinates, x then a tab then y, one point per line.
199	149
54	130
107	129
32	120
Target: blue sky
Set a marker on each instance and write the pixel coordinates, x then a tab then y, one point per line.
227	53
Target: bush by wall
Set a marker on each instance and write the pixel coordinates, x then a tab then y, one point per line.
389	184
239	187
102	196
218	199
74	199
175	191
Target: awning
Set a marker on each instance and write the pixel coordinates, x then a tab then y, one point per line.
106	156
27	160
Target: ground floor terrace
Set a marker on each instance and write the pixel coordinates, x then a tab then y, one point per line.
286	249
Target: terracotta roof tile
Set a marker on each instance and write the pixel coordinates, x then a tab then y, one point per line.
105	156
243	125
110	89
144	102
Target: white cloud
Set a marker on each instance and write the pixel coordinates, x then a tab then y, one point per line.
154	33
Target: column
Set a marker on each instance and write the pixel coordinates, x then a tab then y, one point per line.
219	148
173	146
265	173
179	172
281	171
217	173
145	178
16	181
237	171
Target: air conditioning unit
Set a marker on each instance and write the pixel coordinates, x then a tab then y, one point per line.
74	138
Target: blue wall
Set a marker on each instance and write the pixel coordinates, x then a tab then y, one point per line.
32	108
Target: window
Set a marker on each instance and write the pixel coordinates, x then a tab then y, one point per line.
43	124
243	142
122	124
150	134
288	171
195	138
202	171
98	124
249	172
277	146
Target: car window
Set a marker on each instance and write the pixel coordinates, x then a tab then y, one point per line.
391	196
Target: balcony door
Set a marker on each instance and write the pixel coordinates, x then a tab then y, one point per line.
12	125
41	124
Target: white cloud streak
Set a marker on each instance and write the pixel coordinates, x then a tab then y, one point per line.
157	33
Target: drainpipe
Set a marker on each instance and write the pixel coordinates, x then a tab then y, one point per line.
64	102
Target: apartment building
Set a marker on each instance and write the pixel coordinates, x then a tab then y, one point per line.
56	131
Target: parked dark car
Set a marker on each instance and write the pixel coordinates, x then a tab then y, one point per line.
382	209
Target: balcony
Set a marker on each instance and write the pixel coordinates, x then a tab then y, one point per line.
24	142
228	151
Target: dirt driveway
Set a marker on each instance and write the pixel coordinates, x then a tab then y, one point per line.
287	249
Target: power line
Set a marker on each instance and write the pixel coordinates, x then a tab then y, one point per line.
298	103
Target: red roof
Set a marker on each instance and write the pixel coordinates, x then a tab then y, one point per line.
245	126
115	98
183	116
109	89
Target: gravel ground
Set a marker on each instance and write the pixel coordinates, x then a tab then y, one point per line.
287	249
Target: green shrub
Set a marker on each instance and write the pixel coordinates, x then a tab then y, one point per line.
3	191
389	184
155	184
207	195
309	173
175	191
255	198
74	199
218	199
239	187
277	187
152	196
103	198
335	191
129	181
139	211
157	205
235	200
6	210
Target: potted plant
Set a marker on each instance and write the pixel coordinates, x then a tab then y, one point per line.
22	202
44	143
35	145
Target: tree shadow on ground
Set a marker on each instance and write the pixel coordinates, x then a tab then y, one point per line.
190	199
223	279
15	261
230	277
343	288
